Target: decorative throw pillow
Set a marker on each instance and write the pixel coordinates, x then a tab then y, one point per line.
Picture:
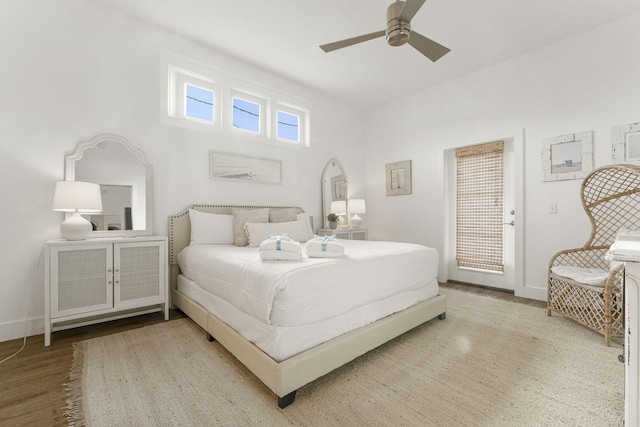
300	231
211	229
282	214
242	216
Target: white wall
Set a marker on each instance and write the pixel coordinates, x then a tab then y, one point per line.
70	71
587	82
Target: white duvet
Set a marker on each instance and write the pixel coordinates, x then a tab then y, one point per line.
302	292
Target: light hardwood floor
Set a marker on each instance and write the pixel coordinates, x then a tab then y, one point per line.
32	383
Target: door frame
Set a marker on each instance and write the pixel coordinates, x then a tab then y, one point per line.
517	136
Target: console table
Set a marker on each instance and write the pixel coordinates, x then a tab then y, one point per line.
345	233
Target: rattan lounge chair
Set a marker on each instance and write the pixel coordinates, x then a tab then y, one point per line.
611	199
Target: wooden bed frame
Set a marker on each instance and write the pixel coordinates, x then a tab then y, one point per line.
285	377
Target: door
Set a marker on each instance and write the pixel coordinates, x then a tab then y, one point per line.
138	274
503	277
81	279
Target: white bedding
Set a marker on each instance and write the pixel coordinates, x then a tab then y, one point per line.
314	289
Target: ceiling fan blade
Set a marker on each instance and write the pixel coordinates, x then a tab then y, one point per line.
427	47
353	40
410	9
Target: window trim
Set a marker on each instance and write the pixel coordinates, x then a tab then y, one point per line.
178	79
226	86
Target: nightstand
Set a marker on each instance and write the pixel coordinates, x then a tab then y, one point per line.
100	279
345	233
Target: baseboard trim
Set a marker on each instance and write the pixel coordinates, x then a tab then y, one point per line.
16	330
508	291
531	292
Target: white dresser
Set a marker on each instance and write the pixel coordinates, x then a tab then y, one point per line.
101	279
629	253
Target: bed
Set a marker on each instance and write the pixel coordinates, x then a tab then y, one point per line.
312	317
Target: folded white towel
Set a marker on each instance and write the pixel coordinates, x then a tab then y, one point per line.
272	255
280	248
321	254
280	243
324	247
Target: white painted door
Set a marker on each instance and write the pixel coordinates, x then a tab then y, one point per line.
507	278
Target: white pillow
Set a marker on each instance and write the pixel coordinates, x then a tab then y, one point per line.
299	231
211	229
305	217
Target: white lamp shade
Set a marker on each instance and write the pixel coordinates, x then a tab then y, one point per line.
357	206
339	207
72	196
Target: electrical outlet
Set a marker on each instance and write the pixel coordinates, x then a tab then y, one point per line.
553	208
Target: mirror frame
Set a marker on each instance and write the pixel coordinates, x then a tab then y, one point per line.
325	209
70	175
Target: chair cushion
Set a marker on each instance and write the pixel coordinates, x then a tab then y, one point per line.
588	276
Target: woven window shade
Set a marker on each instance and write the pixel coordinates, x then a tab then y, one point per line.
479	206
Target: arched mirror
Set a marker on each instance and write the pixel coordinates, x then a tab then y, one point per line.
125	183
335	188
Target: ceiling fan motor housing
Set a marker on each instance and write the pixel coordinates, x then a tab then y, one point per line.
398	32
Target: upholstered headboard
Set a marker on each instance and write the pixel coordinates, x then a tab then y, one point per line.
180	230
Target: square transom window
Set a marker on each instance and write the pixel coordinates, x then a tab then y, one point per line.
199	103
288	126
246	115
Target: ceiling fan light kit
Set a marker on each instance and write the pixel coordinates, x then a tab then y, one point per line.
398	32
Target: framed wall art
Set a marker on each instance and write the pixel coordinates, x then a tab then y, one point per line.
232	167
398	178
625	144
567	156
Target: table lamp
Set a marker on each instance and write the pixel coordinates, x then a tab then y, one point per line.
357	206
339	207
77	197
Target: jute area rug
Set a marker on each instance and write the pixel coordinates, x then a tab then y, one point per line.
490	363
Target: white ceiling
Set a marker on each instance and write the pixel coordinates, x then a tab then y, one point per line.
283	36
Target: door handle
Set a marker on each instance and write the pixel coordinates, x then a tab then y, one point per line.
510	223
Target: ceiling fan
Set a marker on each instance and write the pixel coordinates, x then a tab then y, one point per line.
398	32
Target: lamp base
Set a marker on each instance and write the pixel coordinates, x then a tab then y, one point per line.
356	221
75	227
